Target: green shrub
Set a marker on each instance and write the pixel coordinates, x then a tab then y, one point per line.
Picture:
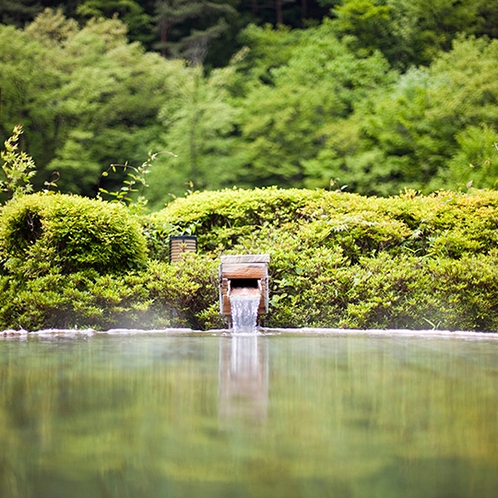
344	260
42	233
222	219
337	260
445	223
189	287
179	295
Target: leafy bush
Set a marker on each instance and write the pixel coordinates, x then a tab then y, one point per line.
179	295
68	261
337	260
344	260
222	219
40	233
445	223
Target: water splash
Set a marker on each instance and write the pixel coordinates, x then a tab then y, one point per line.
244	303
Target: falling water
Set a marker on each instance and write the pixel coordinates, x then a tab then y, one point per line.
244	304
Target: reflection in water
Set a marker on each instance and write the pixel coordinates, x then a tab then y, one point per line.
175	416
243	377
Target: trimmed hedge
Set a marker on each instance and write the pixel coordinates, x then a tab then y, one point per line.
337	260
40	233
344	260
443	224
161	296
69	261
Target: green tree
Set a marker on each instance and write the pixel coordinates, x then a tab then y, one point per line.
412	32
28	72
467	101
199	126
285	124
367	20
180	38
432	25
131	13
19	12
425	129
266	48
86	97
476	160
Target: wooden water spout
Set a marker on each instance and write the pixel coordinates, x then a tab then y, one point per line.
243	275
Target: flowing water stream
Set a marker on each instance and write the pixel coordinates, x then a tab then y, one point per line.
273	413
244	306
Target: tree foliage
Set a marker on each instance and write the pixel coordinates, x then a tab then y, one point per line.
205	22
89	97
138	22
378	97
199	124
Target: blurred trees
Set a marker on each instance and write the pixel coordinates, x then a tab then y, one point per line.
413	32
130	12
173	27
186	27
378	97
200	128
86	97
285	123
432	128
18	12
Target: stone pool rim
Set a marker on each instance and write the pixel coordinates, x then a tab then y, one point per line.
259	332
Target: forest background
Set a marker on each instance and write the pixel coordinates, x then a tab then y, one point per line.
365	96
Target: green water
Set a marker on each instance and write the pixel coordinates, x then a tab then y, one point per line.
148	416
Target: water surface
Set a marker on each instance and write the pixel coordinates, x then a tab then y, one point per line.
280	415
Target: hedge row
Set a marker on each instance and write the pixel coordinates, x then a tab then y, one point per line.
344	260
337	260
447	224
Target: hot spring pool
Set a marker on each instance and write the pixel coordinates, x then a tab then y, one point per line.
279	414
